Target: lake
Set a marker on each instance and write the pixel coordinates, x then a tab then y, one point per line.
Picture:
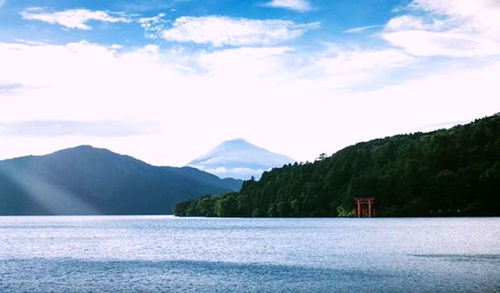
165	253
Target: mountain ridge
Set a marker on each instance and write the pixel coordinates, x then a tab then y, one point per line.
89	180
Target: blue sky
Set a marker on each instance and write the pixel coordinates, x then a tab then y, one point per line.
166	80
335	17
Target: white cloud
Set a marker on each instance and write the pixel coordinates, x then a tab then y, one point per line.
73	18
356	68
279	98
153	25
480	14
297	5
262	61
428	43
220	30
407	22
458	28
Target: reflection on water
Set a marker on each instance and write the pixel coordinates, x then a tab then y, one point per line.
464	257
119	253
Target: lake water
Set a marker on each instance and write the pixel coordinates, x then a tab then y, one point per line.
163	253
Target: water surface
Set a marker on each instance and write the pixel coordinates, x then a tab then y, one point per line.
163	253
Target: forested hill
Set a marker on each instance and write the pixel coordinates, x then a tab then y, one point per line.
449	172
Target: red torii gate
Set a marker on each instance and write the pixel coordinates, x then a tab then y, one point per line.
364	207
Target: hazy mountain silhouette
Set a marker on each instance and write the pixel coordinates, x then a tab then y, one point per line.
87	180
240	159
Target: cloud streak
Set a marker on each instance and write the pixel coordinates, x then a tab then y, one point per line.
239	173
360	29
41	128
10	88
221	30
72	18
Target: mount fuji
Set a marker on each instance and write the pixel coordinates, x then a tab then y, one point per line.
239	159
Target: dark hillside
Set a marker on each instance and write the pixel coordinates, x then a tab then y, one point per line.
450	172
87	180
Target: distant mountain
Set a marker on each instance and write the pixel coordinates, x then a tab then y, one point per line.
240	159
87	180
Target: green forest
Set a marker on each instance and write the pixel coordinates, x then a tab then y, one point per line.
448	172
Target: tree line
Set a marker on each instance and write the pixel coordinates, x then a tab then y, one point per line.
448	172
